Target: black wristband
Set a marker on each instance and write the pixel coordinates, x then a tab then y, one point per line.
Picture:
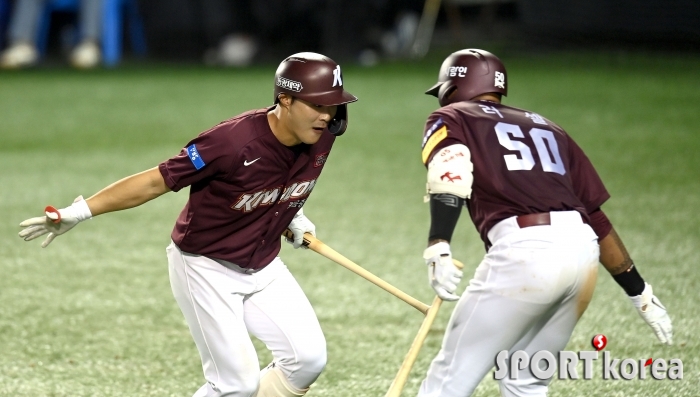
631	281
444	214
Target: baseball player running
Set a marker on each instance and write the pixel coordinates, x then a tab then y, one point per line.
535	199
249	177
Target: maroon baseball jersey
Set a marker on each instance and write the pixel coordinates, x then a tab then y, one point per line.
523	162
245	187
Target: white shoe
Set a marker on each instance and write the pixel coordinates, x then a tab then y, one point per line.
86	55
18	56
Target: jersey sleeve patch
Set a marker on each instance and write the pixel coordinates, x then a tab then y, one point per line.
429	132
431	142
194	156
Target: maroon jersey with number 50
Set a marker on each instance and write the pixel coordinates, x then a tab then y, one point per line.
245	188
523	162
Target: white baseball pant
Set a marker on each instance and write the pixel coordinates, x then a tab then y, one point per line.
222	306
527	294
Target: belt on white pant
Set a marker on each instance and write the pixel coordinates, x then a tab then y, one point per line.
514	223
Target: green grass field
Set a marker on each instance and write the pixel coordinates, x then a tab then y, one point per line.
93	315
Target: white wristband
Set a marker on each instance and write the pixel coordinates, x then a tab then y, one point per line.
80	210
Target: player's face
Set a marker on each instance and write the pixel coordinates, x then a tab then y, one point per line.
308	121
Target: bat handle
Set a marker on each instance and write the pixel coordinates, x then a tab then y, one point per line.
288	234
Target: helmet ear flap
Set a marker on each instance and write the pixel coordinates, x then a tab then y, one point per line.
446	90
339	123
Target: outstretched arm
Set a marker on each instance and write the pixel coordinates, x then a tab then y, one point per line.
129	192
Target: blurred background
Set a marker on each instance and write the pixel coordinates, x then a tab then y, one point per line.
94	90
239	33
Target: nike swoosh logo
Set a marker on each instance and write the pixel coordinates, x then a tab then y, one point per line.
247	163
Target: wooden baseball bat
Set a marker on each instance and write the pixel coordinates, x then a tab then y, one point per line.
319	247
402	376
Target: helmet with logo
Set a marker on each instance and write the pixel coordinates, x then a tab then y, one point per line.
317	79
470	73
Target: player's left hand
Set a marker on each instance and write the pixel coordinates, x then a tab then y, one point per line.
442	272
300	224
55	222
654	313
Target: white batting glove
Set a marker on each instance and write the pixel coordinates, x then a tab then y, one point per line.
654	313
301	224
56	222
442	273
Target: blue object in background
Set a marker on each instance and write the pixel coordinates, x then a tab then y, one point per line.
4	20
116	14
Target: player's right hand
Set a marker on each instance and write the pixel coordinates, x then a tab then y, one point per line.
300	224
442	273
654	313
55	222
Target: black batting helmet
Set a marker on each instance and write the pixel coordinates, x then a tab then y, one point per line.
317	79
470	72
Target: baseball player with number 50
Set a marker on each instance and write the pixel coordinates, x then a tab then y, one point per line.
249	177
535	199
